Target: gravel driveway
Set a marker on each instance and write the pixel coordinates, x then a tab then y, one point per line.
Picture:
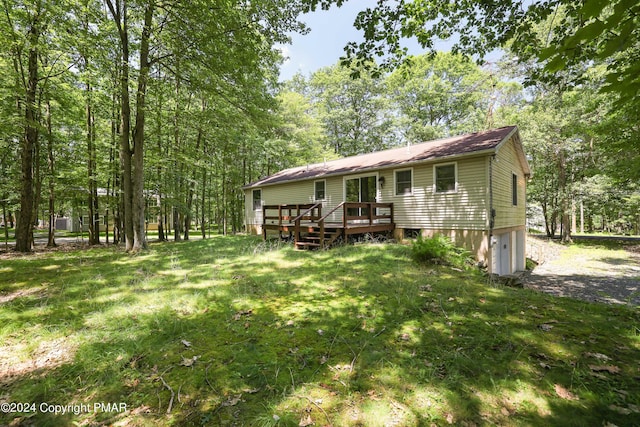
590	273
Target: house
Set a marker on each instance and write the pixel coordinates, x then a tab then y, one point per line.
470	187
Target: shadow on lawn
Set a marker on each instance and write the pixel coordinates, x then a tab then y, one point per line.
228	334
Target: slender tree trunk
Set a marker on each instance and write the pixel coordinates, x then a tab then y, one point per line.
114	161
24	227
191	184
4	222
37	175
565	202
120	17
159	174
51	240
202	203
140	241
94	215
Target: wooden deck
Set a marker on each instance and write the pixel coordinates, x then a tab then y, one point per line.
309	228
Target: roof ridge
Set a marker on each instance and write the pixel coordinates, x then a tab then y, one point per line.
437	148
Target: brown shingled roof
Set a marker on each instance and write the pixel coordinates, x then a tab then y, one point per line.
441	148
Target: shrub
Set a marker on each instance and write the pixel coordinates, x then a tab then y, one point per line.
439	249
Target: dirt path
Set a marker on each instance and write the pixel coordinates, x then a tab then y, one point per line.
593	272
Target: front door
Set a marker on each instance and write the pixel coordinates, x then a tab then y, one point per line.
362	189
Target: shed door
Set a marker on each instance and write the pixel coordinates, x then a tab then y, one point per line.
505	253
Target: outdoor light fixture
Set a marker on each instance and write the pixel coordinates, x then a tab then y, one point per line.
381	181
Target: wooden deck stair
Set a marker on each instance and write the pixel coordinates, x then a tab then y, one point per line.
312	237
309	229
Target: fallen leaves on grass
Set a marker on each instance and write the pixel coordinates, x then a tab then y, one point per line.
598	356
232	400
242	313
189	362
305	421
563	393
612	369
630	409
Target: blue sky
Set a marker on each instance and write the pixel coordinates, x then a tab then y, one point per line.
330	31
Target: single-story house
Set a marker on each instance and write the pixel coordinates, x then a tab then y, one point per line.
469	187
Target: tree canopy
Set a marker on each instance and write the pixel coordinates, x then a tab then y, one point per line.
583	32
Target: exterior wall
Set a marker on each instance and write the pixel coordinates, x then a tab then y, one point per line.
466	208
507	246
505	165
293	193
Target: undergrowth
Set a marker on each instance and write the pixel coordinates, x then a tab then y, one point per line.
439	249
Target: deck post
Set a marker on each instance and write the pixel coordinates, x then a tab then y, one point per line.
264	223
321	234
370	212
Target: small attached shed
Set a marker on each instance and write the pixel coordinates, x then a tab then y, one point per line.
471	188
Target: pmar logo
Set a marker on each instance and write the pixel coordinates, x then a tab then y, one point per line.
109	407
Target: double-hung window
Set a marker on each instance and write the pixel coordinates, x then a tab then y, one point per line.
257	199
319	188
445	178
403	182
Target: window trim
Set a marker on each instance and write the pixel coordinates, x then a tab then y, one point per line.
315	190
395	182
253	199
435	177
514	189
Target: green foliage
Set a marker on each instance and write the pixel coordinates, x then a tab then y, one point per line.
356	113
440	95
438	249
583	33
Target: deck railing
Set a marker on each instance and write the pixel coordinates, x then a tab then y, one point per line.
357	217
307	215
287	214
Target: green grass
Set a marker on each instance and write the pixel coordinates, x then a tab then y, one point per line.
357	335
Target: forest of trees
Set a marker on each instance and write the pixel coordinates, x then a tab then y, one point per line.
138	111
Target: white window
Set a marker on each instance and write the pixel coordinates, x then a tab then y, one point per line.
257	199
319	188
403	182
445	178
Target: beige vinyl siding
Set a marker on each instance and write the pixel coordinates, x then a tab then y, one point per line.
465	208
294	193
507	164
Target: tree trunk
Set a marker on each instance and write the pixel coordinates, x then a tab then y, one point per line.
565	202
191	184
140	241
120	16
51	240
94	215
4	222
202	203
24	227
161	236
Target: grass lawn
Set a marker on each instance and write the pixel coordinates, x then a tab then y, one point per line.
233	331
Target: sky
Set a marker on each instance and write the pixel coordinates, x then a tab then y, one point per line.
331	30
